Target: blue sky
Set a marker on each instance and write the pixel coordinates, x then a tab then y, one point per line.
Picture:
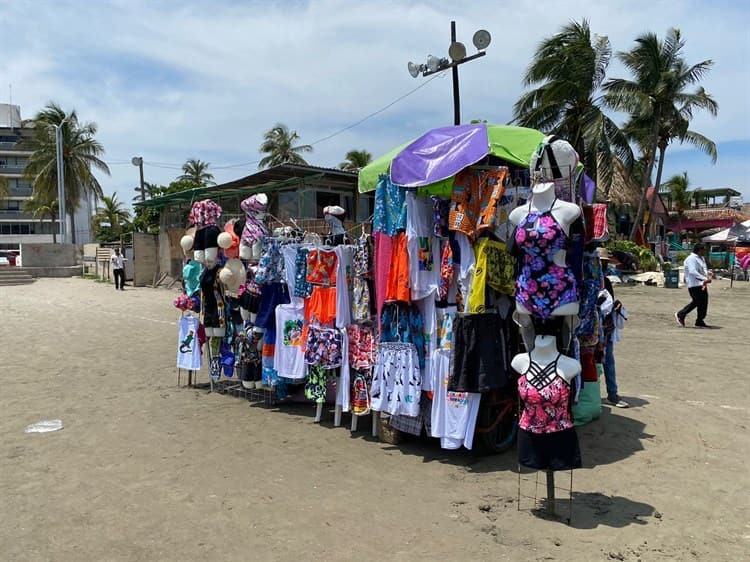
173	80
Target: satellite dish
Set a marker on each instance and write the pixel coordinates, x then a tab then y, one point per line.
432	63
137	161
481	39
413	69
457	51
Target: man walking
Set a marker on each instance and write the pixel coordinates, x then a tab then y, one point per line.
118	269
697	277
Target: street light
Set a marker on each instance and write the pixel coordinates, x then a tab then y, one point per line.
138	161
457	54
61	181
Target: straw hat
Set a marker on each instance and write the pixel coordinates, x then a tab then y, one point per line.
232	275
604	254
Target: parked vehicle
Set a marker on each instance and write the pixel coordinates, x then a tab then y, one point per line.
8	257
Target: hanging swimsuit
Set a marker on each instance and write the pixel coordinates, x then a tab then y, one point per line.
543	285
545	399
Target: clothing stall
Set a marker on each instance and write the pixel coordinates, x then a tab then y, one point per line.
465	311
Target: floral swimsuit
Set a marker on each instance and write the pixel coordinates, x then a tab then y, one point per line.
543	285
545	399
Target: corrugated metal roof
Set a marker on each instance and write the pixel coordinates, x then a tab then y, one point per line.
271	179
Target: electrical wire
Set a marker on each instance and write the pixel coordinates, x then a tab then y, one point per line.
171	166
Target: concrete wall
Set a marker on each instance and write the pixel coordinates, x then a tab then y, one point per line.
145	258
51	260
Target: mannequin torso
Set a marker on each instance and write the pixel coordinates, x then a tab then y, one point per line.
544	354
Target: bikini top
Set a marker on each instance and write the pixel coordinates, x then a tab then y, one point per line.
545	399
539	235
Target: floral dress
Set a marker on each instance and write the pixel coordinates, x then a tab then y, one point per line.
542	285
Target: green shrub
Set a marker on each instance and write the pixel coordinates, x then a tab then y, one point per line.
680	257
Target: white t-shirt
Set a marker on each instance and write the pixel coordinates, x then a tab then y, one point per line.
188	348
454	414
288	358
345	267
422	246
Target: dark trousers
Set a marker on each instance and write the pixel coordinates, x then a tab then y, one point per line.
119	278
699	297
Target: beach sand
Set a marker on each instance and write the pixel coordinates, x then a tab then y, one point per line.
144	470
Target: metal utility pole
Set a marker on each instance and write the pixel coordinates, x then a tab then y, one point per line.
457	54
61	183
456	98
138	161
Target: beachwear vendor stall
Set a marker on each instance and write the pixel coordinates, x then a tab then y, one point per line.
475	284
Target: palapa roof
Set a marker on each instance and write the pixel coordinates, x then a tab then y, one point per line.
623	189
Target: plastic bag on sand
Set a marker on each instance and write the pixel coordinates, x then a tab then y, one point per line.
44	426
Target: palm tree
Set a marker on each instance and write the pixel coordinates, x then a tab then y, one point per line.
280	148
679	193
659	102
81	155
43	208
112	212
196	171
569	69
356	160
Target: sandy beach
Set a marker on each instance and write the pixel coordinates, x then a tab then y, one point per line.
144	470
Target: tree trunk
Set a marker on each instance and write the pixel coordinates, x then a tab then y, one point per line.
646	178
72	228
54	229
657	183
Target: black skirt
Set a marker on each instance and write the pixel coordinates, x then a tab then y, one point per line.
549	451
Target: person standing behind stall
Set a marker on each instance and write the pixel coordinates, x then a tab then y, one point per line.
118	269
697	278
610	373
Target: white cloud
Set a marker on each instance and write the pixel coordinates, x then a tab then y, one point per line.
171	80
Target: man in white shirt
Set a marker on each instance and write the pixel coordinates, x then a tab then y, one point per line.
118	269
697	277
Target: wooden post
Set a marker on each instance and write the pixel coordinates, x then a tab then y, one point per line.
337	416
550	492
318	412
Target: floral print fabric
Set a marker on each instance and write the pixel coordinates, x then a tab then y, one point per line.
542	285
390	207
361	260
324	347
321	267
204	213
544	410
302	288
362	347
271	264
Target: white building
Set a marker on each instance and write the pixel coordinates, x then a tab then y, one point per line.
17	226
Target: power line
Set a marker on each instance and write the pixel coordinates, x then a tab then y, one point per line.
171	166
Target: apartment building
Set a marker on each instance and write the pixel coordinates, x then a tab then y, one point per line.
16	225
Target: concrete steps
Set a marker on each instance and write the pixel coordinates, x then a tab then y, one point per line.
10	275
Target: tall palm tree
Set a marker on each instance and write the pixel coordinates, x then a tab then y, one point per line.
113	212
356	160
81	156
279	146
43	208
196	171
659	102
679	193
568	70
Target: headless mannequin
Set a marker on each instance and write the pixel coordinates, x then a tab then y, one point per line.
543	199
544	353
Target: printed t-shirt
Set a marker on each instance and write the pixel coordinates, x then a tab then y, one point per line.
423	248
288	358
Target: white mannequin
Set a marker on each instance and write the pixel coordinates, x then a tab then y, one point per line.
215	332
210	255
544	353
